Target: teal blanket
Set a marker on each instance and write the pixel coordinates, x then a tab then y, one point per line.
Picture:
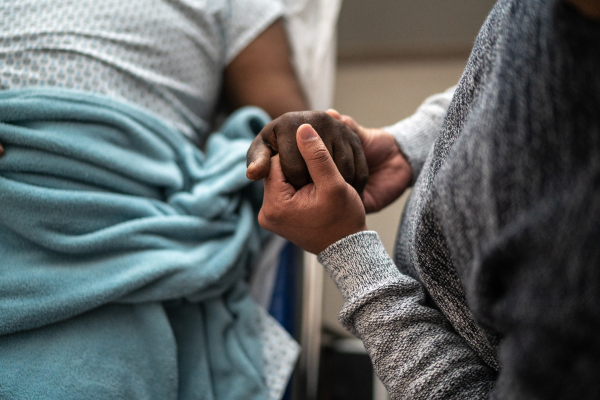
123	252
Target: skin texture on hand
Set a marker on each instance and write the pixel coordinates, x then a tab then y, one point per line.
320	213
389	171
279	137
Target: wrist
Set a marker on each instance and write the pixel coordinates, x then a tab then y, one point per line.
323	243
358	263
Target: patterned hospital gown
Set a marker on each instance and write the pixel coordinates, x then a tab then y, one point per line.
167	56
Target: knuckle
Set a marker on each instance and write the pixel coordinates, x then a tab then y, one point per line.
361	180
263	221
269	218
344	163
321	155
352	138
292	120
269	214
277	212
338	189
289	116
319	120
316	116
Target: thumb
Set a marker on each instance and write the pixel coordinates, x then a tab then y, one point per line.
320	165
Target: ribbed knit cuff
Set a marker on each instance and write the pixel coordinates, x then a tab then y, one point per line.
415	144
358	263
416	134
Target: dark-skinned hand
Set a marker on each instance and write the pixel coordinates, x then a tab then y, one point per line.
318	214
279	137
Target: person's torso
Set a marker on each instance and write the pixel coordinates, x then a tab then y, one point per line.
500	152
166	56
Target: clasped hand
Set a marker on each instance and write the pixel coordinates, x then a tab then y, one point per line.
319	186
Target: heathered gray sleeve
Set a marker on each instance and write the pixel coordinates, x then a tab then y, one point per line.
415	135
414	350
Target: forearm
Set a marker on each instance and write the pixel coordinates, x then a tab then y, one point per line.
262	75
414	350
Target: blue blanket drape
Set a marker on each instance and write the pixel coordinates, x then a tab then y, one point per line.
123	250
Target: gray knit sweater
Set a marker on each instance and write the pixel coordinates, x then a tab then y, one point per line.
495	289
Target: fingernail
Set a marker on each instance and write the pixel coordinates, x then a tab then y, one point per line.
251	165
307	133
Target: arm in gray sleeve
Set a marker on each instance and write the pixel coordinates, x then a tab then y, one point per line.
414	350
415	135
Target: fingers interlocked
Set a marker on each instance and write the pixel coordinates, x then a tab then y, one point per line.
279	137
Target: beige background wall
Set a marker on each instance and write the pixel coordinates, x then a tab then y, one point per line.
388	28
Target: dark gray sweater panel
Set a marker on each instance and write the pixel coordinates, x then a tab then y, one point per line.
517	202
502	230
421	248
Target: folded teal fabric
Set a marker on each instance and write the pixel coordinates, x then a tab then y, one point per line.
123	252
